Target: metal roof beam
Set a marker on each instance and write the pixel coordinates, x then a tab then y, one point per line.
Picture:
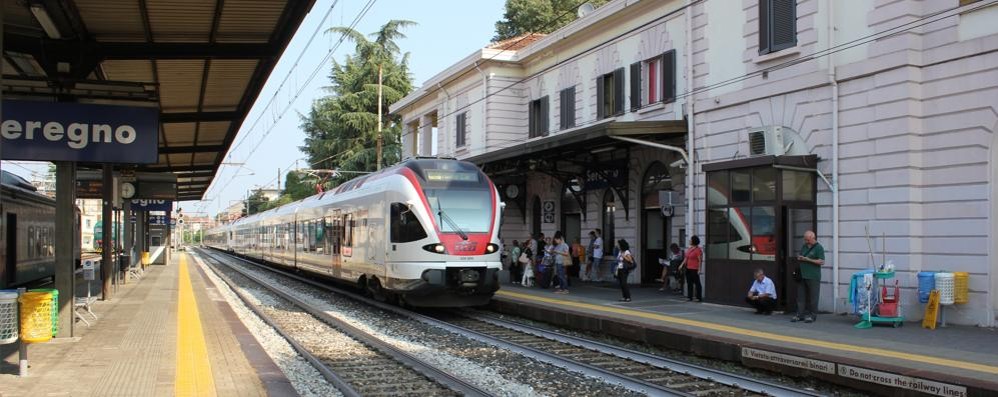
192	117
191	149
180	168
186	50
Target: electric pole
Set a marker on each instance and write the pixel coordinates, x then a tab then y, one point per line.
380	139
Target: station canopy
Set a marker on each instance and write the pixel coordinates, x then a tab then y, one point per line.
202	63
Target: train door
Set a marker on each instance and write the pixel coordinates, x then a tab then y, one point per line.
10	265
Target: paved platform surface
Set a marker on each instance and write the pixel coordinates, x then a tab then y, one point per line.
955	355
169	333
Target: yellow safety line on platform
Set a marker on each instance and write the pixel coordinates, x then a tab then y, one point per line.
762	335
193	368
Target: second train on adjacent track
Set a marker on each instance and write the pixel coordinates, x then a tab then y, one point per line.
424	232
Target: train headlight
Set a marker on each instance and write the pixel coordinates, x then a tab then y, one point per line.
491	248
435	248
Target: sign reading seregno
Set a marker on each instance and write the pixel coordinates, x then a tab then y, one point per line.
51	131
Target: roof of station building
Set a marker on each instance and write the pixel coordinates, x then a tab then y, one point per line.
201	62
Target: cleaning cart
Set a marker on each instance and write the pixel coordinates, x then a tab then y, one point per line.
875	300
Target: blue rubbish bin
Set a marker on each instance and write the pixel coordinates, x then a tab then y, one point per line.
926	283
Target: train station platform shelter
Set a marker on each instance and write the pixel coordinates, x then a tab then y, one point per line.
79	72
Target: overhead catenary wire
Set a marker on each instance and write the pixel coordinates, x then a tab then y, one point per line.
315	71
326	59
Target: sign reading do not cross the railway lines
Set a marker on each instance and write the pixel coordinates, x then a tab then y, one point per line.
48	131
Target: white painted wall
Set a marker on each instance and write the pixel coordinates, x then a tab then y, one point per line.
978	23
726	45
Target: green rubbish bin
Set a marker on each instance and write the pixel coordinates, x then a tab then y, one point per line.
55	307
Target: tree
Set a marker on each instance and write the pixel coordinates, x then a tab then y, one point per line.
537	16
255	202
341	128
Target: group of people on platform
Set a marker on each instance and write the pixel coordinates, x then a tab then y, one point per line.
544	261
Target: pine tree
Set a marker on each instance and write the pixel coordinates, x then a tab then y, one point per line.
341	127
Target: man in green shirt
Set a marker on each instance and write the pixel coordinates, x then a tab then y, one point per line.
811	258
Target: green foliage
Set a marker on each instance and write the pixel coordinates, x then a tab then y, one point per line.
537	16
255	203
341	127
298	185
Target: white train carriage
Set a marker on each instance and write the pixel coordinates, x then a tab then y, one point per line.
425	231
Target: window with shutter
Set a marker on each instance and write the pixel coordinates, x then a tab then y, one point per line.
618	92
610	94
635	86
461	128
538	117
777	25
668	93
567	104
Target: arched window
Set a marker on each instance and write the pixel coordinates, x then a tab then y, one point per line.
609	210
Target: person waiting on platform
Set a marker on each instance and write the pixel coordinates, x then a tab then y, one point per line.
811	258
597	255
670	268
625	264
562	256
515	266
762	294
691	263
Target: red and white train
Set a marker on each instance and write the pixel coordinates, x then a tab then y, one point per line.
424	231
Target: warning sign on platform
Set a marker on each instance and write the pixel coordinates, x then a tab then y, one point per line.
931	310
901	381
789	360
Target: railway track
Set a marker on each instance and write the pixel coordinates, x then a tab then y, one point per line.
640	367
374	367
632	370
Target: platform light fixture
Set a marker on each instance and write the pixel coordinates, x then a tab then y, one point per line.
602	149
42	15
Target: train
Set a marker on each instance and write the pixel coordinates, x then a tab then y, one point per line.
27	234
424	232
98	245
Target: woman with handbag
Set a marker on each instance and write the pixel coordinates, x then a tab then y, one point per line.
515	266
691	262
625	264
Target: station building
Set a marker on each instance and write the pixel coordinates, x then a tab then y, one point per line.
872	123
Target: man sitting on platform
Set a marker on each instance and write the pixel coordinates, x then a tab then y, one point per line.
762	295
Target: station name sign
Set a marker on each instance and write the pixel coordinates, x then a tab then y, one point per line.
152	205
58	131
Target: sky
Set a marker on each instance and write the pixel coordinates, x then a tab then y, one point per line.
268	141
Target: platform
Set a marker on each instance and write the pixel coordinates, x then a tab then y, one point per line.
950	361
169	333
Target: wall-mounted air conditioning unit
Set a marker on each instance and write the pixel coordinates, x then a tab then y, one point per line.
767	141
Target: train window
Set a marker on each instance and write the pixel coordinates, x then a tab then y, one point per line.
348	230
405	227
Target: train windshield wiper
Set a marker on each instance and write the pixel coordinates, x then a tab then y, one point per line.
450	222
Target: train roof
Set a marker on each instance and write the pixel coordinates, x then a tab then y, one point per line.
16	187
418	166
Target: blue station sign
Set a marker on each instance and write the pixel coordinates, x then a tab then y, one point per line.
54	131
152	205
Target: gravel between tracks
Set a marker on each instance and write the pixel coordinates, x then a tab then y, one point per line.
502	372
304	378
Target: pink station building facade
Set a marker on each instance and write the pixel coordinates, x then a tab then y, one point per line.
745	123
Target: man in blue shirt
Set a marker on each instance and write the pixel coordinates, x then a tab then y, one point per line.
762	294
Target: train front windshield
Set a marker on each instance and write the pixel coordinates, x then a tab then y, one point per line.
460	197
468	210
